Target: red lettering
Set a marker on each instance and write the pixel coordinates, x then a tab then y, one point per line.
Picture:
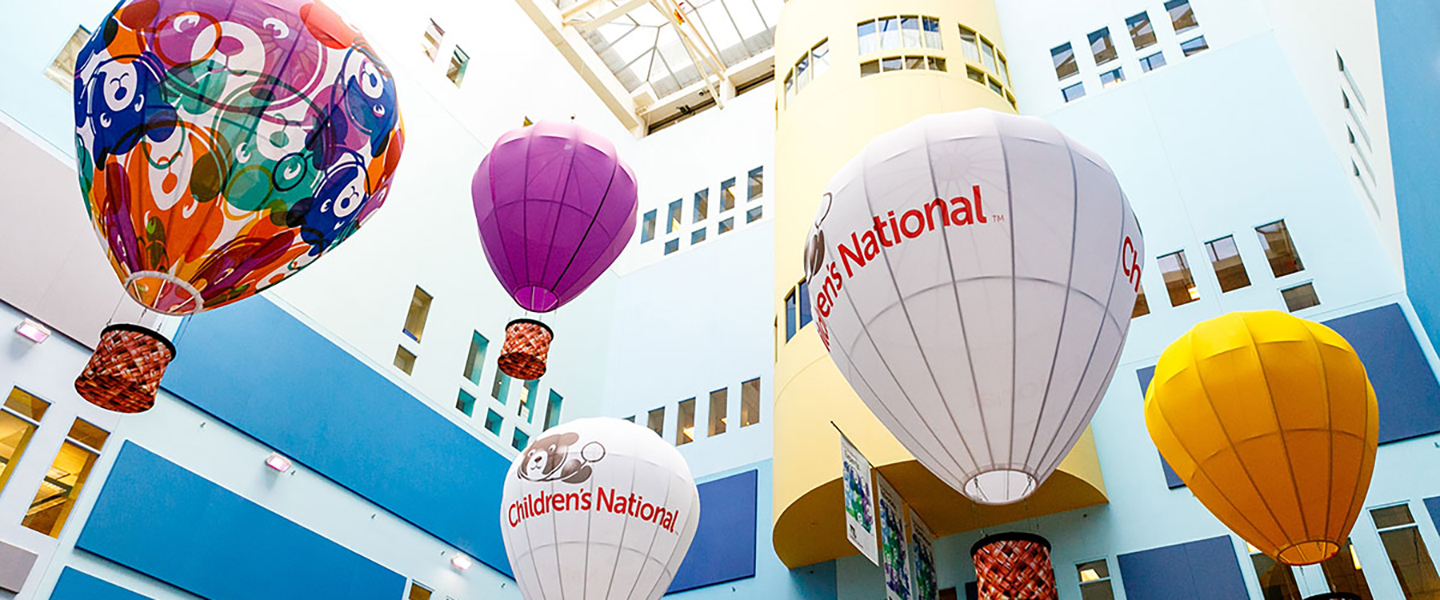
919	223
847	254
930	214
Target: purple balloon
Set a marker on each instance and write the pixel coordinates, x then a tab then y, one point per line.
555	207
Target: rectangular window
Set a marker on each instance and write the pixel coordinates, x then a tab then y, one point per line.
725	225
685	422
630	418
975	75
1110	79
419	311
56	496
1182	17
1406	551
1102	47
889	33
754	214
519	440
932	33
790	315
995	86
910	31
701	209
1229	269
750	402
465	403
1194	46
894	63
458	61
656	421
1277	581
727	194
987	54
1142	31
552	411
970	43
697	236
1064	59
1095	580
1344	574
500	389
672	247
673	222
1142	307
755	183
869	38
527	403
1004	71
935	63
915	63
1279	248
790	85
19	418
718	411
802	72
493	421
475	360
433	36
1074	92
1152	62
804	292
869	67
1178	281
404	360
647	227
62	68
418	592
1300	297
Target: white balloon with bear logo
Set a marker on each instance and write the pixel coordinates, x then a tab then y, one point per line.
598	509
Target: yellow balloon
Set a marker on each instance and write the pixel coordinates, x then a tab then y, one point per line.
1272	423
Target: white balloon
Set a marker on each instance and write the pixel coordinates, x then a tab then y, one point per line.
598	509
973	276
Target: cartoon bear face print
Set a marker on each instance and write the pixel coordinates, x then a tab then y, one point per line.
551	458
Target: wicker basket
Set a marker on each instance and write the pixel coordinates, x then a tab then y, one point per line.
1014	565
124	373
527	345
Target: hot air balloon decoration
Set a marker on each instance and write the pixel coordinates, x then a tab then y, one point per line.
598	508
973	275
222	146
555	207
1271	421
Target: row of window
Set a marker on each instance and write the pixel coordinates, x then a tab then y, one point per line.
20	417
1230	272
901	63
718	413
1142	36
812	64
1361	146
700	211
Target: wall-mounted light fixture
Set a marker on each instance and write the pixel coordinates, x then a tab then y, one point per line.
32	330
461	562
278	462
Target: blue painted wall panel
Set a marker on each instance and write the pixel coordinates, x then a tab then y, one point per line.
75	585
264	372
164	521
1171	479
724	546
1432	505
1200	570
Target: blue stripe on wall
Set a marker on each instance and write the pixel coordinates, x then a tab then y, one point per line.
1200	570
266	373
75	585
164	521
724	546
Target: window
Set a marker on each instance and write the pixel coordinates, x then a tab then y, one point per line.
500	390
975	75
790	315
893	63
1142	32
1277	581
750	402
1004	71
1102	46
702	206
685	422
493	421
465	403
718	411
987	54
62	483
725	226
552	411
804	291
674	221
671	247
1279	249
1406	551
697	236
475	361
1142	307
1152	62
1178	281
1074	92
869	38
935	63
889	33
62	68
790	85
1229	269
647	228
914	63
656	421
1110	79
727	194
433	35
756	183
1300	297
458	61
419	311
527	402
630	418
1194	46
1095	580
932	33
995	86
519	440
910	31
970	43
869	67
418	592
1064	59
1182	17
404	360
754	214
19	418
1344	574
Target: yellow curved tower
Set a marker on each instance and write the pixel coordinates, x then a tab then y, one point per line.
840	86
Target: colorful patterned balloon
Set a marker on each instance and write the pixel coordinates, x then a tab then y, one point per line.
223	145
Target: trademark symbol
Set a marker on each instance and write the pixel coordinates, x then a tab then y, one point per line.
997	217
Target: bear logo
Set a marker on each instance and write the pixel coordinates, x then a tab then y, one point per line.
553	458
815	246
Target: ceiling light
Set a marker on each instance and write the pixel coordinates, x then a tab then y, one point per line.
277	462
1194	293
32	330
1088	575
1354	557
689	432
461	562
